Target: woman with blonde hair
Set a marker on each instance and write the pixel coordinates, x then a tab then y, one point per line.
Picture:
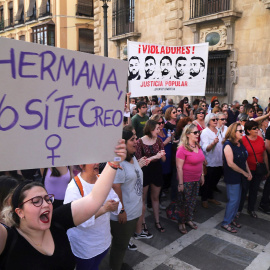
235	168
189	163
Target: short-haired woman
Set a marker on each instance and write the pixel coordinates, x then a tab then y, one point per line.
151	147
212	148
189	163
171	117
256	153
235	168
199	119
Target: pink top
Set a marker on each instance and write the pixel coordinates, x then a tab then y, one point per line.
192	168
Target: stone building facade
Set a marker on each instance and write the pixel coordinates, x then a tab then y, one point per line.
65	24
238	32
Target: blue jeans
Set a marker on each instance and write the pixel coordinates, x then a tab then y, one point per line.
93	263
234	196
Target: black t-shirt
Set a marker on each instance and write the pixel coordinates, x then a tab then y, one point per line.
267	137
24	256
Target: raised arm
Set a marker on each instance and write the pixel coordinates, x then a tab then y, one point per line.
3	238
86	207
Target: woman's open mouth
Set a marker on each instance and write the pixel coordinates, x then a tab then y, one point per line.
44	217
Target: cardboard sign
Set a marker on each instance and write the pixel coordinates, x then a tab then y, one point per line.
166	70
58	107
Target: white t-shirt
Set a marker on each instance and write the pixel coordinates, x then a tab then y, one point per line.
92	237
131	180
213	157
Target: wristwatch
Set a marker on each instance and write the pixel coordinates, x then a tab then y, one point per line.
122	211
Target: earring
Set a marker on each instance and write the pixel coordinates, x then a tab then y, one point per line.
23	218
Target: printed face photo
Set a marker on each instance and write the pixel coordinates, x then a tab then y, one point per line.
165	66
180	67
196	66
134	66
150	67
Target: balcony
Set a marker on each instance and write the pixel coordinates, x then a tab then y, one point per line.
9	23
2	25
33	17
19	19
123	21
44	11
200	8
85	9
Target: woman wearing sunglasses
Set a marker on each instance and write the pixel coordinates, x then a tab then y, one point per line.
189	163
212	148
171	117
199	119
37	239
167	165
235	169
256	153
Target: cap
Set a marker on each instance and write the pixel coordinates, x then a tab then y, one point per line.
256	98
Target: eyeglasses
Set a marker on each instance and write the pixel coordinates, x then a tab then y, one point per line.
240	130
196	132
223	119
38	200
254	128
161	123
214	119
179	110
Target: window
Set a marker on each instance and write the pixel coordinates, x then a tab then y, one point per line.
123	17
1	18
32	10
199	8
85	8
10	14
216	73
44	34
22	37
45	8
19	19
86	40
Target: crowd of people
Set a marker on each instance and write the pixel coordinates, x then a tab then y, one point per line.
56	218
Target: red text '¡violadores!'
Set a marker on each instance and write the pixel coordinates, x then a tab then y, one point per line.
155	49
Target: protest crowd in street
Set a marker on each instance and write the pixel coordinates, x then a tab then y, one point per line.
56	218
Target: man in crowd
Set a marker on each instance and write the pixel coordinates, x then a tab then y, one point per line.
139	120
133	68
170	104
155	109
233	112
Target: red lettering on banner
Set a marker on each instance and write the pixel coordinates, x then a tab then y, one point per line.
144	48
151	83
188	50
162	51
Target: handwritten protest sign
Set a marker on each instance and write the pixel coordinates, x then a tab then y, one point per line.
58	107
167	70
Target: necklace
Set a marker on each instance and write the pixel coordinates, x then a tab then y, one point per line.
192	146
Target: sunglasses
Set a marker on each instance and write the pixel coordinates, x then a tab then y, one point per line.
240	130
223	119
203	105
179	110
214	119
244	120
251	112
186	102
200	113
38	200
254	128
161	123
196	132
216	103
174	112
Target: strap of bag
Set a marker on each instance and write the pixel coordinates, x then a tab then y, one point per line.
253	150
44	175
79	185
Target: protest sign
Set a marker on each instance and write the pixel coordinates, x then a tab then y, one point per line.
167	70
58	107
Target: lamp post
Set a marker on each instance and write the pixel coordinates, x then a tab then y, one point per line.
105	9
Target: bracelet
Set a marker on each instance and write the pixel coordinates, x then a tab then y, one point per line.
115	167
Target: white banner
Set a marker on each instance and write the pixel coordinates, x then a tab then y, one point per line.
167	70
58	107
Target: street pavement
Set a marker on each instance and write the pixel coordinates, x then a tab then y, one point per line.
208	248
